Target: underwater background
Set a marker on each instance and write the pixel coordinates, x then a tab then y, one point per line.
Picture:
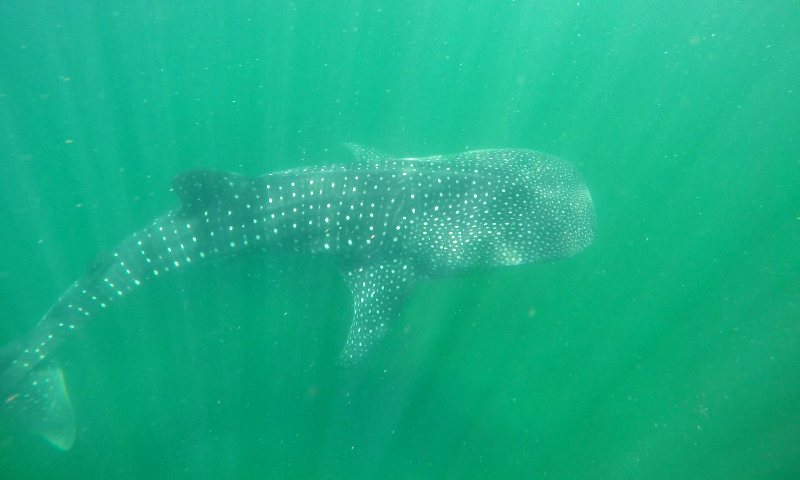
670	348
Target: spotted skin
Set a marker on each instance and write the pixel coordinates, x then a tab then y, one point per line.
387	221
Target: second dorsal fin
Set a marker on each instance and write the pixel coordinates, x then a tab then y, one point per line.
201	190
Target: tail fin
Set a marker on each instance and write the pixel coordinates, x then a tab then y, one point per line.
39	403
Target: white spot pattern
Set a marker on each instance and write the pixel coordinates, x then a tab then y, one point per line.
388	221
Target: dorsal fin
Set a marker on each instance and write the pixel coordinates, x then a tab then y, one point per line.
202	190
367	154
99	265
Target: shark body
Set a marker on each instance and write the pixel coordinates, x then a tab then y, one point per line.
387	221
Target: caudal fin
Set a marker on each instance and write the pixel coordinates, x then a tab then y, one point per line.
40	404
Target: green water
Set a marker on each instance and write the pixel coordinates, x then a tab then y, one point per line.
669	349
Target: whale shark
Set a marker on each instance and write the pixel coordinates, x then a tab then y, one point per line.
387	222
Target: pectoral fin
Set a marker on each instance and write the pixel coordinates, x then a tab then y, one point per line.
379	292
40	403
